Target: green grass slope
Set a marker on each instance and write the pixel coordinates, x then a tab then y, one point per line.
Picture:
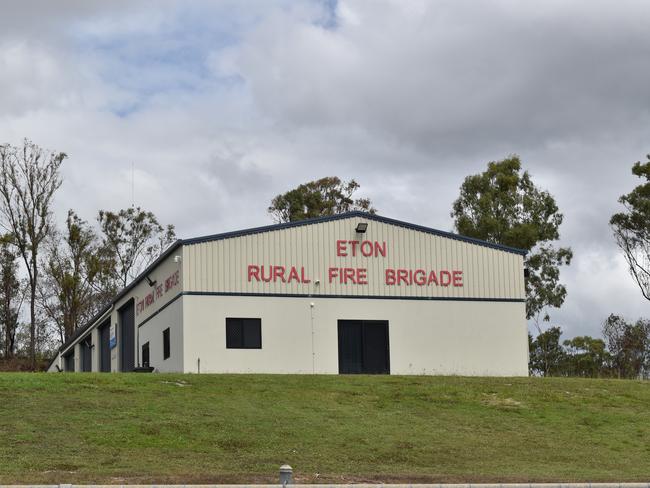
93	428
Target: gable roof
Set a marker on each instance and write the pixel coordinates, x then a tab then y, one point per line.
347	215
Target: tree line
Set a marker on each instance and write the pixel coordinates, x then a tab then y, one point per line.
624	351
65	275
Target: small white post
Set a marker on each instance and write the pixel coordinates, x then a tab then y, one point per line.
286	475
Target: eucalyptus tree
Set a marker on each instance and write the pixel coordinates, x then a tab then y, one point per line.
11	296
631	228
134	238
503	205
318	198
77	276
29	178
629	345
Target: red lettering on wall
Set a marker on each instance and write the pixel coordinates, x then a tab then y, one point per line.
420	277
269	277
293	275
303	278
278	273
332	273
340	248
354	276
365	248
348	274
172	281
457	277
432	278
344	276
380	249
253	272
362	276
390	276
158	291
445	278
402	275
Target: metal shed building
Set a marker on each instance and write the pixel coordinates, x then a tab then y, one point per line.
351	293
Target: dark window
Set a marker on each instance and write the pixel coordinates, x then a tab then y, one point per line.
243	333
145	354
166	346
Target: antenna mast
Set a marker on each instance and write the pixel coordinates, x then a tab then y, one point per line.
133	185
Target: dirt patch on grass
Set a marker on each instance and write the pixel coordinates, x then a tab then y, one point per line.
492	400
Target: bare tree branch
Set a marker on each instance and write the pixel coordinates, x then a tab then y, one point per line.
29	179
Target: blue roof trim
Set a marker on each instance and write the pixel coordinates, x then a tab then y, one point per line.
365	215
352	297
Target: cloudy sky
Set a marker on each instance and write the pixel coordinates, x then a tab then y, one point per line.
220	105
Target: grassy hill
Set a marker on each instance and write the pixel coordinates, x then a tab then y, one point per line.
93	428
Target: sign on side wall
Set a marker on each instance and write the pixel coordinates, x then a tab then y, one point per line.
158	293
113	337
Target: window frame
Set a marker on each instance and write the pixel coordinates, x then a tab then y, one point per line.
167	344
245	342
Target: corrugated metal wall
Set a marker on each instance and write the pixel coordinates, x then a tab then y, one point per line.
222	265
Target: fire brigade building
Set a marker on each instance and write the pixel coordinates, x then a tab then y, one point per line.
351	293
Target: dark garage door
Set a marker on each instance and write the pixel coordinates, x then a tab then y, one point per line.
363	347
127	338
86	355
105	347
68	362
